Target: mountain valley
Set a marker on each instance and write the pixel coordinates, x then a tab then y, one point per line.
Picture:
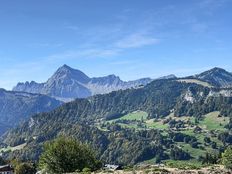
168	120
164	121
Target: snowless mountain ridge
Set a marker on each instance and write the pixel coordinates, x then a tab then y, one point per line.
217	77
67	84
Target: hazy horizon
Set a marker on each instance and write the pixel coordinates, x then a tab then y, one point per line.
112	74
131	39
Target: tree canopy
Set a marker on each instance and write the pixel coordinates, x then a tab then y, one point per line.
25	168
64	155
227	158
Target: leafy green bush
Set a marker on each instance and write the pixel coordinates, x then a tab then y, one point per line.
86	170
66	155
23	167
227	158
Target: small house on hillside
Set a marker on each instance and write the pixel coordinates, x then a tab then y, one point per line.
197	129
6	169
112	167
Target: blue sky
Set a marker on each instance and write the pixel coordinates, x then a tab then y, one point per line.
129	38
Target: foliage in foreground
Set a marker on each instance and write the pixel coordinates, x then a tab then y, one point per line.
25	168
65	155
227	158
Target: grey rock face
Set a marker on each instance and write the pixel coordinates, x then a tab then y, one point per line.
111	83
67	84
16	107
30	87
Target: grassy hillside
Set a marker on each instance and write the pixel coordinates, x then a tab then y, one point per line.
165	120
212	122
196	81
136	115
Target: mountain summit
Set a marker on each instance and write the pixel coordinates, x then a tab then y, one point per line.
66	72
67	84
217	77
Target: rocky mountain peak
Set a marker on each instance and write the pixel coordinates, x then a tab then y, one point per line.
66	72
65	69
67	84
113	77
65	66
216	70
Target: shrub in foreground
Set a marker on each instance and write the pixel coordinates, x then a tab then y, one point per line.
227	158
66	155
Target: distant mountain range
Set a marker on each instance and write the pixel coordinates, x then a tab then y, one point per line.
67	84
15	107
92	120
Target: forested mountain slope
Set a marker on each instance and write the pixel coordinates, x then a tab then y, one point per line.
168	108
15	107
